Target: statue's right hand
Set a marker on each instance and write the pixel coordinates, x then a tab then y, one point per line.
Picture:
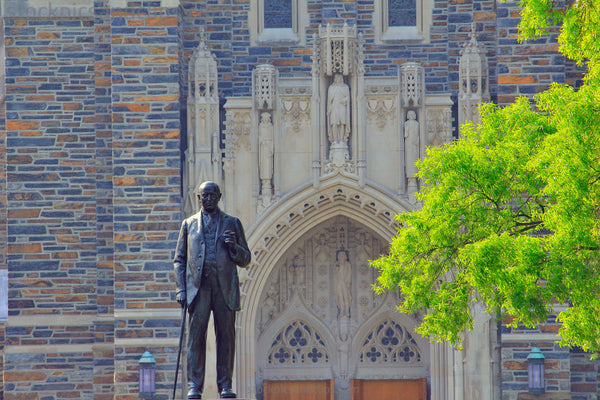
181	298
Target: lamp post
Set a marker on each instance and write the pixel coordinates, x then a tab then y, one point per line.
535	363
147	376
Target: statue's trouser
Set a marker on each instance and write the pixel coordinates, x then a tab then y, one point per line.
210	298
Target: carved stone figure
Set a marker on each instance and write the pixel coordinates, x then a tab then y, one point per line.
265	156
411	148
342	279
338	110
210	245
411	143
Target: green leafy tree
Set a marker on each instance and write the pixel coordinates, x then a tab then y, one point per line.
511	210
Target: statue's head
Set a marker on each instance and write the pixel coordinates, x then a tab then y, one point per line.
411	114
209	196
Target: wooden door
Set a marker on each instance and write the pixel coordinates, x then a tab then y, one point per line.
405	389
298	390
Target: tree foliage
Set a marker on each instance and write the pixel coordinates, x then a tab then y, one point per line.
511	210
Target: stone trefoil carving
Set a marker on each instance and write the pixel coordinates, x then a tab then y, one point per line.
389	343
296	344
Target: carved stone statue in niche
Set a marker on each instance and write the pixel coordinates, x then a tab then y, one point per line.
342	280
364	251
338	111
411	148
265	156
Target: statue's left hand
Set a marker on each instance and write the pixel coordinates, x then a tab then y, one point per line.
230	239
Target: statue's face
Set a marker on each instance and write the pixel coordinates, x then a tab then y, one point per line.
209	197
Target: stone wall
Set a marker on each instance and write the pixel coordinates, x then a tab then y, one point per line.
569	373
93	198
90	161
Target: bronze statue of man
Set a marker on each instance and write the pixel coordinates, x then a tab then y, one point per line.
210	245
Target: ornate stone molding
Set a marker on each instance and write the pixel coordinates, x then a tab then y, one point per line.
296	111
238	125
381	109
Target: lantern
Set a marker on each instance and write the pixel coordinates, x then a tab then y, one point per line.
535	362
147	375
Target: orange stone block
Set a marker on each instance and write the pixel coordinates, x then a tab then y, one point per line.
156	49
156	98
48	35
22	125
484	16
137	107
135	22
165	59
72	298
24	213
161	21
511	79
123	237
25	376
72	106
65	255
287	62
17	52
24	248
156	135
132	63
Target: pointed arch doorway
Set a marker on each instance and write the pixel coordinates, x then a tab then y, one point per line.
321	331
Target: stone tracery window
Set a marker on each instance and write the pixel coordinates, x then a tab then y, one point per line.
298	343
389	343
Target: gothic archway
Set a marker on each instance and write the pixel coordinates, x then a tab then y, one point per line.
284	226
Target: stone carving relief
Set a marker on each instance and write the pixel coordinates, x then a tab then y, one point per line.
439	126
238	125
381	110
326	275
329	269
296	111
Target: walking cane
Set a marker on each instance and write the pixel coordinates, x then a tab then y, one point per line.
184	309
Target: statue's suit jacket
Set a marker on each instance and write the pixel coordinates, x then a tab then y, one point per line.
189	258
